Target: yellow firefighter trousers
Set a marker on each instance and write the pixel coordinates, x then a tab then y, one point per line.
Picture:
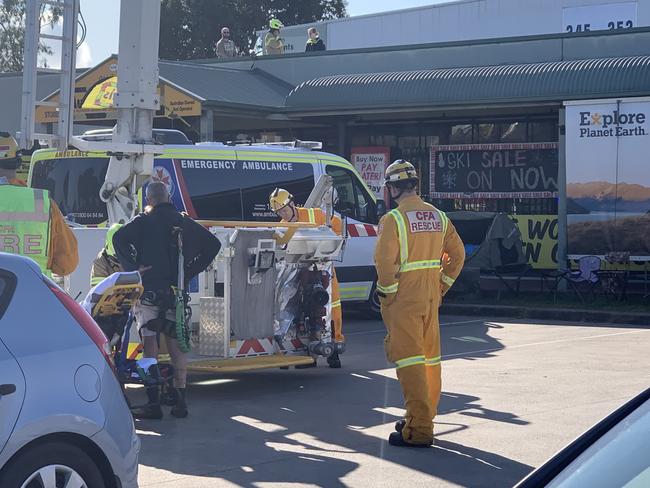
337	314
413	343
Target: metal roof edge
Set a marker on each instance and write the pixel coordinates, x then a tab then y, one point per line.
358	109
269	109
275	79
180	88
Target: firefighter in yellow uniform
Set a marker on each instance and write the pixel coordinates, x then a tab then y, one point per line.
281	202
418	257
31	224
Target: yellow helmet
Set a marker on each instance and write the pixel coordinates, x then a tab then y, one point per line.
9	152
275	24
279	198
400	170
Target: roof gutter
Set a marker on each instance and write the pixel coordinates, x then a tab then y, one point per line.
475	104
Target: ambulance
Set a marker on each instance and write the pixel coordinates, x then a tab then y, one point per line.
225	182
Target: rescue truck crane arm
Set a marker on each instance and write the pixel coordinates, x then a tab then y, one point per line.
132	148
322	194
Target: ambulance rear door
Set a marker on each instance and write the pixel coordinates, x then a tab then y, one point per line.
356	274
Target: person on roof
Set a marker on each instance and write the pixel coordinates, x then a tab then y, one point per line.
282	204
225	46
106	262
273	43
31	223
314	42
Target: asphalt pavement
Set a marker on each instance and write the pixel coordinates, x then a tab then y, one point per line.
514	393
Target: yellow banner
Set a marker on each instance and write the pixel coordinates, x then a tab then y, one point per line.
177	103
93	98
83	84
539	235
101	95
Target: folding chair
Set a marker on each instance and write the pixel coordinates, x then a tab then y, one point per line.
587	276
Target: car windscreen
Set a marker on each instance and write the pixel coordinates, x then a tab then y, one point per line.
620	458
74	185
239	190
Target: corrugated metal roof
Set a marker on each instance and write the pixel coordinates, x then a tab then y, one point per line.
550	81
226	86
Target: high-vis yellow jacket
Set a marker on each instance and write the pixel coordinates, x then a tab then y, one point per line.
417	236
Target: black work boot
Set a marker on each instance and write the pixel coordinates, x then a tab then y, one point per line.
152	410
396	439
179	410
334	361
169	396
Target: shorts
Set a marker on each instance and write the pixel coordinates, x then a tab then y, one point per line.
144	313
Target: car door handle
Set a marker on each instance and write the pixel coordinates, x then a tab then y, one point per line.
7	389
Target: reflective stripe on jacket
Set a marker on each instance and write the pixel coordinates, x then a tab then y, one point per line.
416	237
25	223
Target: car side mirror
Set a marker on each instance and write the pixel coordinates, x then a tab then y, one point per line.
381	208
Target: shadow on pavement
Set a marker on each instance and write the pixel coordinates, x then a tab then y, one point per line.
319	427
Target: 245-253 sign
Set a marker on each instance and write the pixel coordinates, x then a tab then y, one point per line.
609	16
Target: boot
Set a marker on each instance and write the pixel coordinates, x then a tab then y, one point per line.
169	395
399	425
152	410
396	439
334	361
180	409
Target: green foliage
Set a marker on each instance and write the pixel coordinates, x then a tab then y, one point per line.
189	29
12	33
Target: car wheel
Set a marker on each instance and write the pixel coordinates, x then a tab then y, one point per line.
52	465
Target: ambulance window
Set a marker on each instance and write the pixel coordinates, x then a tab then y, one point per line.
354	200
74	185
239	190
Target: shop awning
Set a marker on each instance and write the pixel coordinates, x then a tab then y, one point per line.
534	82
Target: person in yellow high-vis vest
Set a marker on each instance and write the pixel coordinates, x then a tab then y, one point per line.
418	257
281	202
106	262
31	224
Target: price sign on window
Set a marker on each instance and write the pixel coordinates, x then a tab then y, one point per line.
609	16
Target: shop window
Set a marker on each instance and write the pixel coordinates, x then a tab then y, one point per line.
502	132
543	131
354	201
513	132
431	141
360	140
383	140
488	133
461	134
408	142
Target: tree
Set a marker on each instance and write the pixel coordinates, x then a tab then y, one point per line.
189	29
12	33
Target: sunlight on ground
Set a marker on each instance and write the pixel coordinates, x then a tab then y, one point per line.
216	381
259	424
388	373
